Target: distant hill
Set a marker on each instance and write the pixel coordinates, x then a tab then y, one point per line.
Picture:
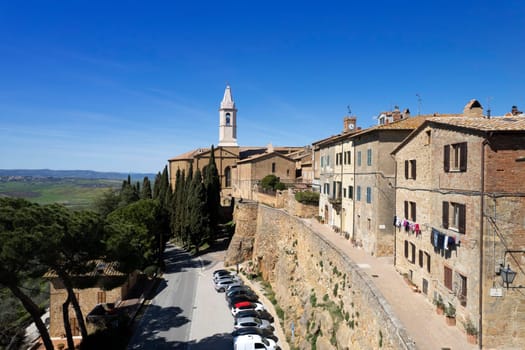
78	174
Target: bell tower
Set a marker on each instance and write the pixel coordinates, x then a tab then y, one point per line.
228	120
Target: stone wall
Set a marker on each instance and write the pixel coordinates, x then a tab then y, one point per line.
329	301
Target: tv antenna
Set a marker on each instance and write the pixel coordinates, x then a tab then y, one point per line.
419	100
488	107
349	110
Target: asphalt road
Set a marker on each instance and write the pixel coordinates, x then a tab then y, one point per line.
186	312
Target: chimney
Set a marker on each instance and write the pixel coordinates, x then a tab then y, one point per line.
515	111
473	109
396	115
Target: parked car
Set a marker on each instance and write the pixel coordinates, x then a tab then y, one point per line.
252	322
255	331
242	298
238	286
247	306
224	274
228	277
221	285
263	315
238	292
252	342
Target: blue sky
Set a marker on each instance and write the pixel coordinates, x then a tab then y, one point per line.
125	85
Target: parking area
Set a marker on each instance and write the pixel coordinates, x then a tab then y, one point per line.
212	320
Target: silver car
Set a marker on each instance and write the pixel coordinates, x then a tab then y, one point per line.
244	322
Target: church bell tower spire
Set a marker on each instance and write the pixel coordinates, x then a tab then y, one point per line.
228	120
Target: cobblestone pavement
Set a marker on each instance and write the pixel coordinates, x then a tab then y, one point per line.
423	325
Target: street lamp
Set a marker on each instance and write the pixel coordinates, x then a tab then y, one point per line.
507	275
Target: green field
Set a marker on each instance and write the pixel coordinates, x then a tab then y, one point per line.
71	192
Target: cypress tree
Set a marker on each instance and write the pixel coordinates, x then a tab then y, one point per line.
213	193
198	220
146	189
156	186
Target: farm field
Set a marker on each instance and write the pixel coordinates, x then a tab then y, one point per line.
75	193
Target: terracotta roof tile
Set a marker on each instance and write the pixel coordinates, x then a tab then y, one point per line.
485	124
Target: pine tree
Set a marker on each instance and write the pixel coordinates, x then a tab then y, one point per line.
146	189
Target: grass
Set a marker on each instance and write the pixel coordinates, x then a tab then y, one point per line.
71	192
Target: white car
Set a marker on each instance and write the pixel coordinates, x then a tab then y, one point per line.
221	285
227	277
253	342
248	306
255	322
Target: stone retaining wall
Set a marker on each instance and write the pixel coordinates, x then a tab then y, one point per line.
323	294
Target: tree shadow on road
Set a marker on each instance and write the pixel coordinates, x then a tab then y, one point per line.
165	319
220	341
178	260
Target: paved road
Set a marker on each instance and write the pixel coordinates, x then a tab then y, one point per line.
186	313
166	321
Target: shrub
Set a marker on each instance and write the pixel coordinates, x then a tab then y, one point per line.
307	197
272	183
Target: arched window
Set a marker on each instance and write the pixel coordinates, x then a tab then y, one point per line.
227	177
228	118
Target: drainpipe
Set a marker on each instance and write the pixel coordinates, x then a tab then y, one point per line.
353	194
481	228
395	206
341	189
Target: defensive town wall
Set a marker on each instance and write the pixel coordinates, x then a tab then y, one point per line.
322	293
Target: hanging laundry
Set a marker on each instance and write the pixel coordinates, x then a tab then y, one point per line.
417	229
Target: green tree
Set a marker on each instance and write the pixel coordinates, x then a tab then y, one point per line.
133	234
272	183
156	185
17	260
107	202
213	192
198	220
146	189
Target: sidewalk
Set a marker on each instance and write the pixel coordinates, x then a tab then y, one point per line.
415	312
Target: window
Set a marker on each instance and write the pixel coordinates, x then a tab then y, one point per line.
410	210
455	157
454	215
368	157
327	160
429	136
351	192
413	253
339	158
101	297
273	167
227	177
227	118
322	161
406	249
359	158
427	258
462	285
344	192
448	277
348	157
368	195
421	258
358	194
410	169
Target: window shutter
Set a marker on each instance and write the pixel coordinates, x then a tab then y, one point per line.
406	249
406	209
406	169
446	158
413	211
461	223
445	214
414	169
463	157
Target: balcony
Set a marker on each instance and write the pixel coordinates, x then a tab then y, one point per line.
336	203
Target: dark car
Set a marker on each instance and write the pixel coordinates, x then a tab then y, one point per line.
239	298
238	292
266	333
263	315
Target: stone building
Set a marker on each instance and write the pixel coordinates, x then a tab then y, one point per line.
111	286
460	203
228	154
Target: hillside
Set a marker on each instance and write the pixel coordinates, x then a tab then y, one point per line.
80	174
